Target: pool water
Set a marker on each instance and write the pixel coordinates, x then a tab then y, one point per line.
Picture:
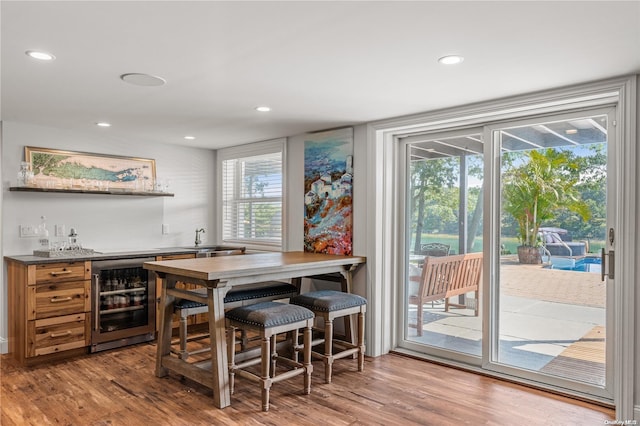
586	264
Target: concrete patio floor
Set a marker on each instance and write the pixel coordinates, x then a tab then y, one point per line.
542	314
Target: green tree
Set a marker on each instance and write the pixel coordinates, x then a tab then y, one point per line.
429	181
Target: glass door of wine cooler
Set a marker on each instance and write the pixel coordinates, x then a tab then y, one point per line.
123	295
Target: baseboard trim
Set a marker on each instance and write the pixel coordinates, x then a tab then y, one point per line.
4	345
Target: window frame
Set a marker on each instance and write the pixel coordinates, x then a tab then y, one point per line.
245	151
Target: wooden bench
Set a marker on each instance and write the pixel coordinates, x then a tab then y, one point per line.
445	277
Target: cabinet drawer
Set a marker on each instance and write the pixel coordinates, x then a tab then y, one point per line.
64	271
56	299
57	334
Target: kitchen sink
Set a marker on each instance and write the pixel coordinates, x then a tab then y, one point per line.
216	250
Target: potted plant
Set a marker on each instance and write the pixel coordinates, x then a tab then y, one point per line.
534	190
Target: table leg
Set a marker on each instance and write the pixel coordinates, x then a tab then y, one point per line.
163	347
219	362
347	287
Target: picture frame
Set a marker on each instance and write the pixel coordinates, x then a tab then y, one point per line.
73	170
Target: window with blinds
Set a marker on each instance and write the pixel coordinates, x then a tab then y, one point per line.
252	187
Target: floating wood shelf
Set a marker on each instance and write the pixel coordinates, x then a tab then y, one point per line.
92	191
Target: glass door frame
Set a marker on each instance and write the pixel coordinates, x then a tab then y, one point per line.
404	230
492	231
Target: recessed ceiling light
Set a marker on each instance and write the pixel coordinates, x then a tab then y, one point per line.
571	131
263	108
451	59
43	56
103	124
189	138
140	79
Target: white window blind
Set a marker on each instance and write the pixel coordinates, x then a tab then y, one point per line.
252	188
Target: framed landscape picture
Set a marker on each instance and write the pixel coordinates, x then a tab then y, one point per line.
54	168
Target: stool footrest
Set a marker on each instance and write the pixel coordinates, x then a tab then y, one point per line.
245	364
288	374
342	354
316	342
290	362
341	344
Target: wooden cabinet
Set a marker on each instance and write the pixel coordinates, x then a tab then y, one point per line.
195	319
49	309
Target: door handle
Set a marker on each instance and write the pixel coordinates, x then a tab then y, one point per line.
603	267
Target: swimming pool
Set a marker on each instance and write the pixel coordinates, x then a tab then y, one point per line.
586	264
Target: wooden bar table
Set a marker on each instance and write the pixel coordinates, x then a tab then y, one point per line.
218	275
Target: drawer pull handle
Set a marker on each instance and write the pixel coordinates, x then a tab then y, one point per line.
66	333
60	299
56	273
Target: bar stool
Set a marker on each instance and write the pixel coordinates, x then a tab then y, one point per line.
264	291
269	319
330	304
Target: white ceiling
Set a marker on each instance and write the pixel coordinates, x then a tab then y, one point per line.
319	64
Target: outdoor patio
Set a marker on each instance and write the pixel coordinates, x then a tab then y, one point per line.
551	321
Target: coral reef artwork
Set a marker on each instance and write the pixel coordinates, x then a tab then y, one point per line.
328	186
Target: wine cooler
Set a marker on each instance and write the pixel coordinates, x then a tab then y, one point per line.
123	298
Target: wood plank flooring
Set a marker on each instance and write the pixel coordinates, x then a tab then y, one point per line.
118	387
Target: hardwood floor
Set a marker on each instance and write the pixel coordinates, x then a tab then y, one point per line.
118	387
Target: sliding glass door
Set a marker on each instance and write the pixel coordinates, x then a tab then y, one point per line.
444	182
553	213
533	200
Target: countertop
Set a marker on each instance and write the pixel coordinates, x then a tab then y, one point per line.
113	254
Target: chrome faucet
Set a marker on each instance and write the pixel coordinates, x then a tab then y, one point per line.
198	232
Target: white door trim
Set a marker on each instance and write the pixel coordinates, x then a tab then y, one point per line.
627	259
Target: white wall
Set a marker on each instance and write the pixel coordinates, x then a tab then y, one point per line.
107	221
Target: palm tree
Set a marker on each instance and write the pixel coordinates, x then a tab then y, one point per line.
534	191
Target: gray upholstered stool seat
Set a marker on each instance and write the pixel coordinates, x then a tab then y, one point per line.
330	304
329	300
264	291
269	319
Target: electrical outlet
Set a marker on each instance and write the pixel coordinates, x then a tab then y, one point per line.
165	229
60	231
28	231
